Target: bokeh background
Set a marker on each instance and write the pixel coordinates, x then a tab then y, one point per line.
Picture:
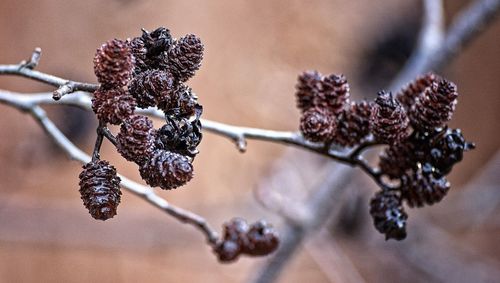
253	53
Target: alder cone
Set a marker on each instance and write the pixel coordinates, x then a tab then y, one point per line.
388	215
307	88
353	124
447	149
113	64
113	105
136	139
395	160
262	239
407	95
180	135
100	189
152	87
185	57
167	170
419	188
317	124
139	50
182	104
227	251
150	50
389	119
434	107
334	94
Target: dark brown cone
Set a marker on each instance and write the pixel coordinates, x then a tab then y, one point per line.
397	159
389	119
434	107
150	50
308	86
388	215
317	125
407	95
138	49
183	102
113	105
136	139
113	64
100	189
180	135
167	170
353	124
152	87
262	239
334	94
419	188
185	57
227	251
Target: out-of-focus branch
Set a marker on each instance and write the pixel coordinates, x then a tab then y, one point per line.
467	25
146	193
429	40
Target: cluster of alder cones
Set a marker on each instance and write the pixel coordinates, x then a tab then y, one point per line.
146	71
150	71
413	123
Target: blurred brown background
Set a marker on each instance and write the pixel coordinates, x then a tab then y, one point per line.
253	53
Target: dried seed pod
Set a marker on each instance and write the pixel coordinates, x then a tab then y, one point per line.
183	103
139	50
353	124
388	215
334	94
113	64
389	119
180	135
317	124
308	86
434	107
421	187
447	149
227	251
150	50
152	87
100	189
185	57
262	239
397	159
113	105
136	139
167	170
407	95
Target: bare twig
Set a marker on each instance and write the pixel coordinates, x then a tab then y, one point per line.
75	153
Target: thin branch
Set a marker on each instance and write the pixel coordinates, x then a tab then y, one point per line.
146	193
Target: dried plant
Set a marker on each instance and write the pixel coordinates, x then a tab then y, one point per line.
147	75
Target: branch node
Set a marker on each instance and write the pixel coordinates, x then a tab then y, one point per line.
66	88
241	144
33	61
